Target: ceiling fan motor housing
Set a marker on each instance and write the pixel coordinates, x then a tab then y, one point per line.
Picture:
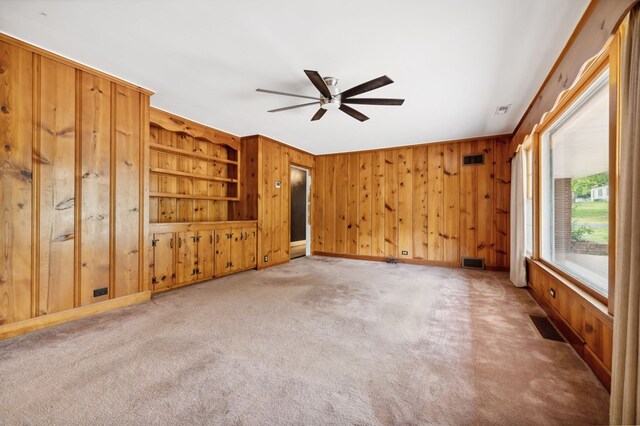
336	100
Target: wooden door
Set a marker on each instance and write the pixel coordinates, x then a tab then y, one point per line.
222	254
237	250
187	257
205	255
249	248
163	261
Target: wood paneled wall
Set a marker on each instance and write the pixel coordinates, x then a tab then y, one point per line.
264	162
588	328
420	200
72	175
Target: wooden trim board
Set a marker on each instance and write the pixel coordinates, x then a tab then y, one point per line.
38	323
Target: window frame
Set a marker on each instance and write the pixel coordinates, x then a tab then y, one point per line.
528	150
593	70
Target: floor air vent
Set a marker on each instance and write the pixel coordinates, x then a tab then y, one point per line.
546	329
473	263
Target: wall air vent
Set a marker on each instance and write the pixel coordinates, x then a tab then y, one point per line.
502	109
470	160
473	263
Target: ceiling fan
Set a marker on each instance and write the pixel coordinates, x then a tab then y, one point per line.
332	98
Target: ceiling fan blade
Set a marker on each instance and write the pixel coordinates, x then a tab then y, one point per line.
273	92
373	101
318	81
376	83
352	112
318	115
293	107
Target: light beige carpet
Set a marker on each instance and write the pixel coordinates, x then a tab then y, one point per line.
315	341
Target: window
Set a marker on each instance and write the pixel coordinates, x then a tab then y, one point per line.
574	187
528	198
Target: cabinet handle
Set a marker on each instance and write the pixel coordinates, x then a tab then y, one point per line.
171	243
210	238
217	238
179	242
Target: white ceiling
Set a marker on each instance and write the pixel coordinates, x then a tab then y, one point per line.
453	61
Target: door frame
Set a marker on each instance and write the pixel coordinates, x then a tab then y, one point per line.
307	206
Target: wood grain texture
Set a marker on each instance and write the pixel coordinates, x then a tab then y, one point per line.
187	260
200	166
95	182
363	219
420	200
390	202
435	213
164	261
128	186
16	186
450	202
268	163
64	150
405	203
57	195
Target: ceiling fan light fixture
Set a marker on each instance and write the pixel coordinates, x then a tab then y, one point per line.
331	104
331	98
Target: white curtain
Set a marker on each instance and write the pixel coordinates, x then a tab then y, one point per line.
625	374
517	270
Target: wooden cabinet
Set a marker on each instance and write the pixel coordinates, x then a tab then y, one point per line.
195	256
187	253
187	257
206	256
249	247
235	249
163	274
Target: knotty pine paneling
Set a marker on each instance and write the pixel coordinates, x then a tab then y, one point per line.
266	162
72	197
363	222
420	200
588	328
16	186
96	183
57	185
127	186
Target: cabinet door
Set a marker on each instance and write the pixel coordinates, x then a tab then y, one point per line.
249	247
237	249
222	246
205	254
163	262
187	257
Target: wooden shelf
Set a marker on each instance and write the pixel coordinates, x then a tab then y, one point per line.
193	197
191	175
191	154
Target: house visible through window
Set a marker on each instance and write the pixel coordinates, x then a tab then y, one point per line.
575	191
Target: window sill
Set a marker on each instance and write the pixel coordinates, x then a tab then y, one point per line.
601	308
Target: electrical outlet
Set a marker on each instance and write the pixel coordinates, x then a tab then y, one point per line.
266	259
405	253
278	184
552	293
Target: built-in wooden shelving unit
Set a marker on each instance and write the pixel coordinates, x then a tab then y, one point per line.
193	170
